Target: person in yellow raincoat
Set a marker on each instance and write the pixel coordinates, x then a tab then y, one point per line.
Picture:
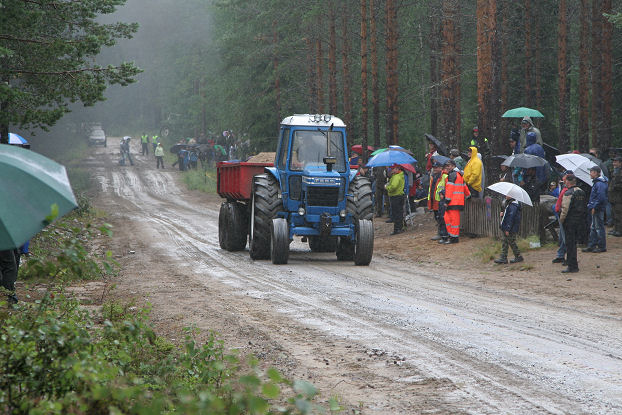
473	172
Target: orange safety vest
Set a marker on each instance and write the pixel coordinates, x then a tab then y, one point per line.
456	191
432	202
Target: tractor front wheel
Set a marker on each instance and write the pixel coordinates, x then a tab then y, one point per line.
364	247
279	241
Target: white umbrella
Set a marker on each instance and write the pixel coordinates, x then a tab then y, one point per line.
580	166
514	191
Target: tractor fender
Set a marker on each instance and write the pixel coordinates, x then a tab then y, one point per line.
275	173
352	174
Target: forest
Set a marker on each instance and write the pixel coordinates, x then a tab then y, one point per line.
392	70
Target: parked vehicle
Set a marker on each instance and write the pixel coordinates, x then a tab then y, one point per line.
308	191
97	137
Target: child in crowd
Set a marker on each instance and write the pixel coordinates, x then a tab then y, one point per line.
510	224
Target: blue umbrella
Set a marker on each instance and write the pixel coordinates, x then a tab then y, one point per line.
18	140
390	157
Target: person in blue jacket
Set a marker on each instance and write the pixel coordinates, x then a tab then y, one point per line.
535	149
597	241
510	224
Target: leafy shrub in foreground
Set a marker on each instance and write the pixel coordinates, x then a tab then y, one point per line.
56	359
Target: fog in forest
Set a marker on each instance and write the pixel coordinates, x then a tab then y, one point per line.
169	30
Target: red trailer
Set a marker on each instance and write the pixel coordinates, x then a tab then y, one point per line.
234	183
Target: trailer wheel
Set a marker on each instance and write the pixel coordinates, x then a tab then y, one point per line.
265	206
279	241
345	249
323	244
364	247
232	228
360	203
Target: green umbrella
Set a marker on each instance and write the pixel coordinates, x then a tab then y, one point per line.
34	190
522	112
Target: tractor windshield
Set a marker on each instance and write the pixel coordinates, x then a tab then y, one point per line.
309	149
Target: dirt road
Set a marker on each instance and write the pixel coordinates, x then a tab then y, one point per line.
397	337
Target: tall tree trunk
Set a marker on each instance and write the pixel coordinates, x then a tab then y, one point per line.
320	76
450	74
505	123
538	61
347	79
277	79
332	62
392	76
563	87
583	134
487	97
435	52
364	119
529	97
375	89
311	83
597	103
606	79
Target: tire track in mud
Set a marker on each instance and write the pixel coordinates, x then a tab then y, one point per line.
504	352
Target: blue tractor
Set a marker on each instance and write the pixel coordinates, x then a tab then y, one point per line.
311	192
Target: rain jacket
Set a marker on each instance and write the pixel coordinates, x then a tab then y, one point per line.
511	216
523	134
159	151
573	206
598	196
456	191
395	187
432	200
473	171
615	186
536	149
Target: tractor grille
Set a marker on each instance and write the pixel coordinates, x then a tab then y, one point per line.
322	196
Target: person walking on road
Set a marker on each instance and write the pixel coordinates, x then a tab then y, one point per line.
597	241
615	196
395	189
125	151
144	141
159	155
154	141
572	218
510	224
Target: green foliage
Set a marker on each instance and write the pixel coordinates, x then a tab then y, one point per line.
59	254
203	180
48	48
58	359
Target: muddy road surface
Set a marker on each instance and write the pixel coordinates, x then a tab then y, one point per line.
396	337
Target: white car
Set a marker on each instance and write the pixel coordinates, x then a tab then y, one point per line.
97	136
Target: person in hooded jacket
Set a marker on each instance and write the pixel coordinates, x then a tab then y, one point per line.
510	225
454	195
526	127
536	149
395	189
473	173
597	240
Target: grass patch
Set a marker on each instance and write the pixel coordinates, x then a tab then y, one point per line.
203	180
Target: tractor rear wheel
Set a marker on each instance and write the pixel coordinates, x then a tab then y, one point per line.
364	247
279	241
232	226
322	244
265	206
360	203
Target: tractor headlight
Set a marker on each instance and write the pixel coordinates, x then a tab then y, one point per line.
342	213
327	117
301	211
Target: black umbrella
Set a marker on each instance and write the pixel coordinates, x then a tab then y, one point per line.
175	149
499	157
550	152
526	161
598	162
440	147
